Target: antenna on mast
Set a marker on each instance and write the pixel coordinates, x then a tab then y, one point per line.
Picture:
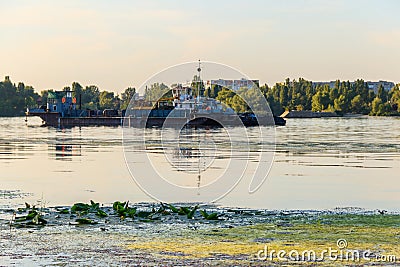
199	69
199	80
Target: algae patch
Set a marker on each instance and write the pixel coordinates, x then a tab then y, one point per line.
379	234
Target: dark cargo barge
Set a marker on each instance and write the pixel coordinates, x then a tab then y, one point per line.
181	108
56	119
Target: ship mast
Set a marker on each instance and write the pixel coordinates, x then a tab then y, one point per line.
198	81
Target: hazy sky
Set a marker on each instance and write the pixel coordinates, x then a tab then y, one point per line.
116	44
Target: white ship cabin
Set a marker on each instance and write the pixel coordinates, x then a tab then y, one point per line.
184	100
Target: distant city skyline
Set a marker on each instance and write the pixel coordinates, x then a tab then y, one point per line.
120	44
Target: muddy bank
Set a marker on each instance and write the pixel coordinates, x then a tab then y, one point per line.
157	236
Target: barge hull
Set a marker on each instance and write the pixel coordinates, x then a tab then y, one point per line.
55	120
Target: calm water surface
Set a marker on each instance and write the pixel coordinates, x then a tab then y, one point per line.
319	164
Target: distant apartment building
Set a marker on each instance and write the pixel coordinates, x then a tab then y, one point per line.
375	85
236	84
371	85
331	84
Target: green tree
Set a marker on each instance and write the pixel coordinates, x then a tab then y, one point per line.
283	95
77	90
273	103
254	100
214	90
238	104
15	99
156	92
357	104
382	94
90	97
320	101
379	108
126	97
376	106
107	100
395	97
340	104
317	102
333	94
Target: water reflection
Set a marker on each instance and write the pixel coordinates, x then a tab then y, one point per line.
194	150
65	152
319	163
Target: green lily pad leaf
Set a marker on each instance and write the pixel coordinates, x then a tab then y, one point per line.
64	211
204	214
173	209
94	206
20	219
131	212
101	213
32	214
190	215
79	207
119	206
212	216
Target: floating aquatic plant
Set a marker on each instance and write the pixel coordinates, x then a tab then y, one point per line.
83	209
63	211
211	216
84	213
173	209
190	215
188	211
27	207
101	213
123	210
34	217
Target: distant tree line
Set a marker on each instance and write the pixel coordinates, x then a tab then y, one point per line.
344	97
90	97
15	98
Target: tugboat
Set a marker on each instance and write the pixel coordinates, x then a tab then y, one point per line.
61	111
186	107
182	109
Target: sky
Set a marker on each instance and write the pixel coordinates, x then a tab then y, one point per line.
117	44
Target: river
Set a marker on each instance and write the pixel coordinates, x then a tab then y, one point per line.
318	164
